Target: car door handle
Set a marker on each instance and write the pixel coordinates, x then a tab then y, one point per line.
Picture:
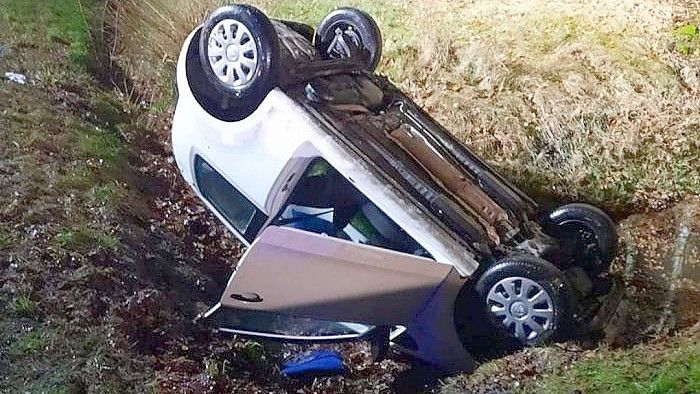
247	297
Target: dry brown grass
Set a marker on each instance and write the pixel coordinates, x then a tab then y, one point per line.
582	100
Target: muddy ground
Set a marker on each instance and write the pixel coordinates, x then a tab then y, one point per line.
106	257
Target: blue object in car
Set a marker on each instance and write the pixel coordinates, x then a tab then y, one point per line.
312	222
314	363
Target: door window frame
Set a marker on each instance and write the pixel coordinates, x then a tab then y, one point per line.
257	221
294	187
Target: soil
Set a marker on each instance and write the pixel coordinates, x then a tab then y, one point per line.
103	316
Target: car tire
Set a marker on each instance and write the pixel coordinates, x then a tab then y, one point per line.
239	61
302	29
526	299
588	233
348	32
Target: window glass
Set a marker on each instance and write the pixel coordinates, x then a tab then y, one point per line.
240	212
324	202
287	326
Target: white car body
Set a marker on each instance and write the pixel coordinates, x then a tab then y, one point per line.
252	155
257	155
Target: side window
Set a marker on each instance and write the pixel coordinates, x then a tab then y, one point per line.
238	211
324	202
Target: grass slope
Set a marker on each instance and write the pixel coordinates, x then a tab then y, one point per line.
643	370
86	261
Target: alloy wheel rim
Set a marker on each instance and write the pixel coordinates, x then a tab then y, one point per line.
232	53
522	306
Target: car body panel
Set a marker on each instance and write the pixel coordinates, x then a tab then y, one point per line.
300	274
252	153
341	280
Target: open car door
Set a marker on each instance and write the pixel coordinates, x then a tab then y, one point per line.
300	286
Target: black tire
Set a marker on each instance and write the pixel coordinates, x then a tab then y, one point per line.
548	277
224	100
303	29
359	31
588	232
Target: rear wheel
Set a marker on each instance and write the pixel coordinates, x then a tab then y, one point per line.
239	61
587	233
348	33
525	298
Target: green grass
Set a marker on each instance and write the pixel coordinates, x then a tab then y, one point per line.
24	306
687	39
60	20
76	176
82	238
108	110
6	239
390	15
643	370
97	155
107	194
27	345
101	144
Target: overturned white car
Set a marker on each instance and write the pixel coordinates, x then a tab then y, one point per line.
363	217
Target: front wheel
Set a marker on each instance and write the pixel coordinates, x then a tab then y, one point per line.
525	298
239	59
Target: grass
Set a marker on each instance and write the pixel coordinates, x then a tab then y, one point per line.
6	239
643	370
582	101
27	345
24	306
687	39
108	110
65	164
82	238
102	145
63	21
216	370
107	194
